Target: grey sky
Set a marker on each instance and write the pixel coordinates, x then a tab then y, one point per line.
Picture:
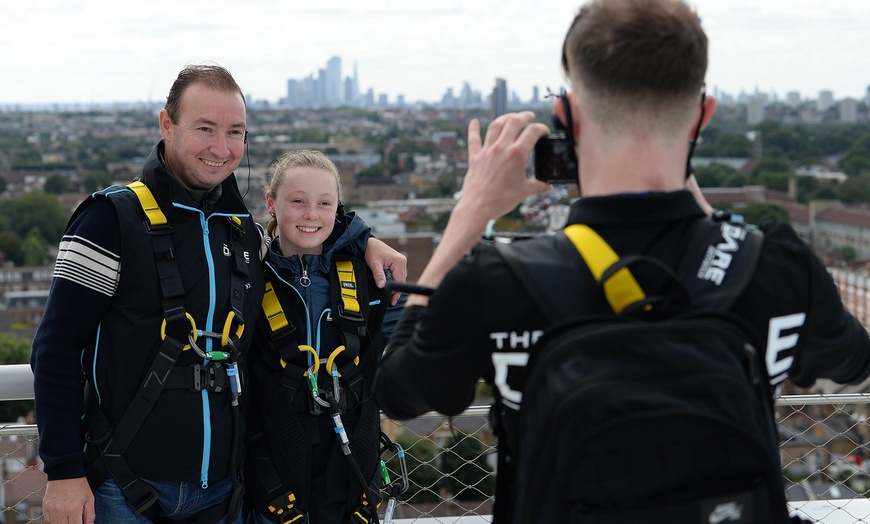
106	51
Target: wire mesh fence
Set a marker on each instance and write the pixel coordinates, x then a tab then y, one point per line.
451	462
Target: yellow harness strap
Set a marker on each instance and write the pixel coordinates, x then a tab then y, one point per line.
272	308
621	289
149	205
347	281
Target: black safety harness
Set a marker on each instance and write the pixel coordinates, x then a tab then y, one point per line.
286	479
219	374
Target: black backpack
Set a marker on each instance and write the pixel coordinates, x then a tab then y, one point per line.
657	412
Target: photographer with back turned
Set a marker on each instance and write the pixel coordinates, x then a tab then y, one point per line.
636	103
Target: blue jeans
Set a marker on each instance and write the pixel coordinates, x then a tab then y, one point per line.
178	500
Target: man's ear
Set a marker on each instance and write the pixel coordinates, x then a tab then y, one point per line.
165	124
710	104
559	111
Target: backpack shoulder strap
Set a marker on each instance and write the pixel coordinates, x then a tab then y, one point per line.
719	262
621	288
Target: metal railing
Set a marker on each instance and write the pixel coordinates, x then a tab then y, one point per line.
451	461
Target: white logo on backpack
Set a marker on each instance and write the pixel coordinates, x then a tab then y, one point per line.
727	511
719	257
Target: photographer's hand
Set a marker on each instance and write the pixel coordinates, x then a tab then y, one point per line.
494	184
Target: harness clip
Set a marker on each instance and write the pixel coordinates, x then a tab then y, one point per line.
149	498
158	229
208	377
355	316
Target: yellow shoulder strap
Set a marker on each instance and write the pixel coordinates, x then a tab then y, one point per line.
272	308
621	289
149	205
347	281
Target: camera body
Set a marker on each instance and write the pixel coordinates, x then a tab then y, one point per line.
552	160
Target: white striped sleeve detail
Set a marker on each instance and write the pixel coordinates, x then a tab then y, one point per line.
87	264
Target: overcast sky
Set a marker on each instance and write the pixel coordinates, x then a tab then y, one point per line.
119	51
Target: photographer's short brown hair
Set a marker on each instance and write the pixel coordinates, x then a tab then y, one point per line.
650	51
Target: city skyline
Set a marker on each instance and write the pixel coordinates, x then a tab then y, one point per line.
88	51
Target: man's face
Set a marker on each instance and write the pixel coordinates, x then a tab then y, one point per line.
206	143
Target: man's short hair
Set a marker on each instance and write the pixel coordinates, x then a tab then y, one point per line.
651	52
210	75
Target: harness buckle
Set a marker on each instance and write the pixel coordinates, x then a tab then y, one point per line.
284	507
150	496
364	512
354	316
208	377
158	229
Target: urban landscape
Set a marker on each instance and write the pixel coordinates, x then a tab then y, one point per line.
799	158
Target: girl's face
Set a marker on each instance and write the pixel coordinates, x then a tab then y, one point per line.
304	206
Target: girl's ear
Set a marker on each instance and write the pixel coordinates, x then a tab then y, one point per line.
270	204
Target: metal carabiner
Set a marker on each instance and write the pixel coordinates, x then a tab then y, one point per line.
312	386
394	488
209	355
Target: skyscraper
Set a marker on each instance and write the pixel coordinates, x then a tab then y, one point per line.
499	100
825	101
332	89
755	110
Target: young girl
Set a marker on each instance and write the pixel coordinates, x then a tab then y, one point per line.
313	427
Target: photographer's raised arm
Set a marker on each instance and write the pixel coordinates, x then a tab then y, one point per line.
494	184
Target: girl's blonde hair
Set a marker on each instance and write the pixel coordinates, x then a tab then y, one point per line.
292	159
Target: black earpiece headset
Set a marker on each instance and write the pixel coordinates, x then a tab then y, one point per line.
570	152
689	169
248	157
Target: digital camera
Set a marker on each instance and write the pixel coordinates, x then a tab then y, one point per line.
551	160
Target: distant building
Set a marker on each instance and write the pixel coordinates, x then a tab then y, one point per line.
499	100
381	221
822	173
418	247
825	101
755	110
849	110
333	92
793	99
28	278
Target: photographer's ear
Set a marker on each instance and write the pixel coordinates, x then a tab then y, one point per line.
710	103
559	112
